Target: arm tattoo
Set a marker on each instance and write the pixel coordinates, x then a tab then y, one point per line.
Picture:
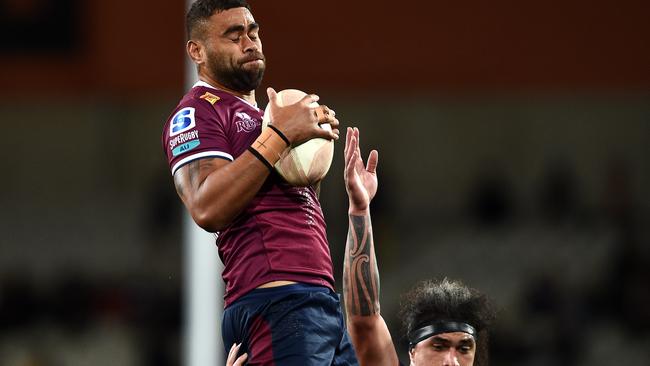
189	176
178	183
360	272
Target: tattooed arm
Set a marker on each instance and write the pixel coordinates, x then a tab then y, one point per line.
215	190
360	272
368	331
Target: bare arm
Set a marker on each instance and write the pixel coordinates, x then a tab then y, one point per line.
370	335
216	190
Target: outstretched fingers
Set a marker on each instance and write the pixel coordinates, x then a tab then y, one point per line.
232	359
348	136
359	162
234	349
240	360
350	146
351	161
373	160
351	177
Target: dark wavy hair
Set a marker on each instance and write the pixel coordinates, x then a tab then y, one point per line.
201	10
432	300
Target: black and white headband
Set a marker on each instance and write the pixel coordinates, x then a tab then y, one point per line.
439	327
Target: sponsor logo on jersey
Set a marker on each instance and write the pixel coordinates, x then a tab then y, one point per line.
182	121
185	147
183	138
211	98
245	122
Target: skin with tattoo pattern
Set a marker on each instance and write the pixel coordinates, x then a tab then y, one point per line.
368	330
360	274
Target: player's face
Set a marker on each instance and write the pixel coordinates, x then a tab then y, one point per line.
447	349
234	50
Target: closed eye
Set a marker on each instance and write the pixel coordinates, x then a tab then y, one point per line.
235	32
439	346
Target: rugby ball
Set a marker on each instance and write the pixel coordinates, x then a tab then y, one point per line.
307	163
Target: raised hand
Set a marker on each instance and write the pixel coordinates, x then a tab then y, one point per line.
360	180
300	121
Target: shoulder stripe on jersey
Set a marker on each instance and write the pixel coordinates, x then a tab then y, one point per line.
205	154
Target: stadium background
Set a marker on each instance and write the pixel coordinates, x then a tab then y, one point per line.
513	143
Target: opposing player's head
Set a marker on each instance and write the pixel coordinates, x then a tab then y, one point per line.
446	324
224	43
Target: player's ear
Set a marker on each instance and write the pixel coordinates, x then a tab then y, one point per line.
196	51
412	355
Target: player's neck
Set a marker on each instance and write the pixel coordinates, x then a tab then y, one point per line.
249	97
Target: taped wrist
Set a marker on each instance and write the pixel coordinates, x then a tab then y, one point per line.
269	146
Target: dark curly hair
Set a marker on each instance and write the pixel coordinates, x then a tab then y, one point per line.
432	300
201	10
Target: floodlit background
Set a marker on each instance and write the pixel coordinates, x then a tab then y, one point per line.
514	140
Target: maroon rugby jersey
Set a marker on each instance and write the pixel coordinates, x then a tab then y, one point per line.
281	234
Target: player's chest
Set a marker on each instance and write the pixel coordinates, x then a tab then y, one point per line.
244	126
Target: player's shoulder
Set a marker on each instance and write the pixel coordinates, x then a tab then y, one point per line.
200	97
199	102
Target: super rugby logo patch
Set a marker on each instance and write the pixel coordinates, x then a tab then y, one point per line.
182	121
245	122
184	142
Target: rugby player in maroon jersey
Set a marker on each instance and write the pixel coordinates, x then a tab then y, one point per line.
280	303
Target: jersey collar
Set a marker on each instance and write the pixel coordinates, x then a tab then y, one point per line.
206	85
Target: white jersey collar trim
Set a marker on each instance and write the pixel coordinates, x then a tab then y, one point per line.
206	85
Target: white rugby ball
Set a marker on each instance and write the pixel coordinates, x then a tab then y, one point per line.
307	163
